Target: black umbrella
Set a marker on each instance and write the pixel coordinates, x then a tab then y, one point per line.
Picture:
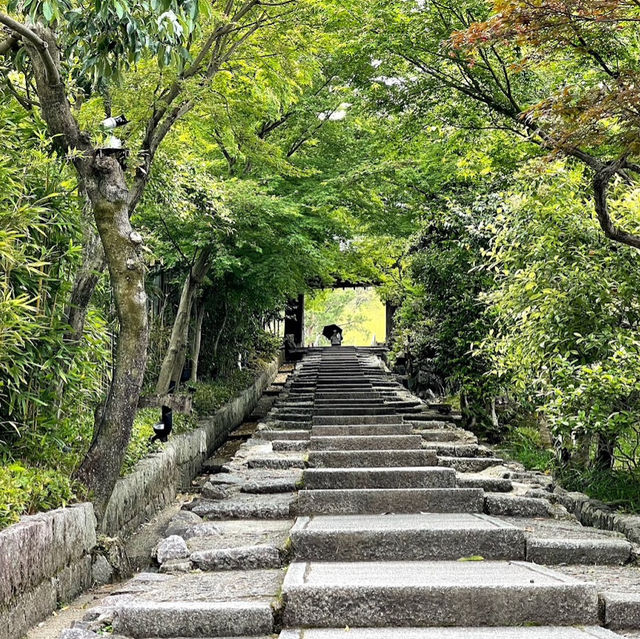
329	330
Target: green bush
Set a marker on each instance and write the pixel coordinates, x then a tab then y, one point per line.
139	445
24	491
525	445
619	488
210	396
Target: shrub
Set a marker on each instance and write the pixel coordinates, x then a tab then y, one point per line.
25	491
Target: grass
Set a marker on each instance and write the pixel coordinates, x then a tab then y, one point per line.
524	444
618	488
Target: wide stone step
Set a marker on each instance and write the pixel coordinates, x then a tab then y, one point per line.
401	500
480	593
270	435
367	442
361	429
469	464
370	458
413	537
283	445
578	551
412	477
356	410
225	604
356	419
338	396
527	632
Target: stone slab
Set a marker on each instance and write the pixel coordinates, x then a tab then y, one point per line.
403	477
371	458
515	506
365	594
239	558
246	506
405	500
489	484
355	419
408	537
366	442
578	551
469	464
193	619
361	429
621	609
540	632
270	435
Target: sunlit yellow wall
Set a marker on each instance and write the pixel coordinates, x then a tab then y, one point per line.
358	311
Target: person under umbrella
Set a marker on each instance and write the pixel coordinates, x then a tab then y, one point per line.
333	333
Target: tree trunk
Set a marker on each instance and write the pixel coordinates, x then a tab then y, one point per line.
197	341
606	444
109	195
102	178
85	282
173	361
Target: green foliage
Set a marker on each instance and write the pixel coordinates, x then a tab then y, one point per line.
619	488
566	310
210	396
25	491
524	444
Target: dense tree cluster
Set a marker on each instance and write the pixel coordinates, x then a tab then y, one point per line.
480	159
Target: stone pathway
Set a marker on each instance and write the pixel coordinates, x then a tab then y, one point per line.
354	508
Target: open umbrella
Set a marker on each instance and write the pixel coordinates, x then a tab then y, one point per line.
328	331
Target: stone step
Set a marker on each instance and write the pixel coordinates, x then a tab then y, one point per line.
389	500
366	442
438	435
371	458
361	429
412	477
412	537
459	450
228	603
421	593
469	464
356	419
333	396
596	551
270	435
356	410
489	484
527	632
279	445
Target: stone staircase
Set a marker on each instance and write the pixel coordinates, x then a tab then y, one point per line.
356	511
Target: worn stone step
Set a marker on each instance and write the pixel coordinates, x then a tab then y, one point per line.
411	477
389	500
469	464
270	435
357	410
356	419
489	484
405	537
361	429
597	551
441	435
475	593
530	632
279	445
346	396
370	458
366	442
229	603
458	450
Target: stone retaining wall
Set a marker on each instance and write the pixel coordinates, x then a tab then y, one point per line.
45	559
156	479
